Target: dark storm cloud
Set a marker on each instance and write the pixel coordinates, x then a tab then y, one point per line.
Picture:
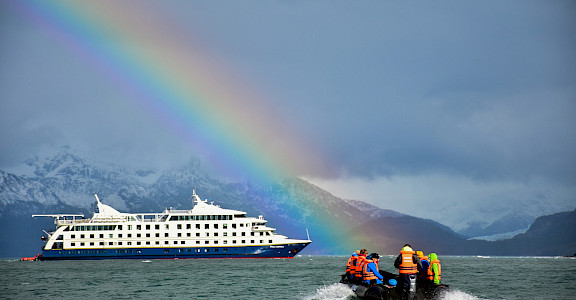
485	90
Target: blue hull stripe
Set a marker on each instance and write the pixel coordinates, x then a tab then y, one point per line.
267	251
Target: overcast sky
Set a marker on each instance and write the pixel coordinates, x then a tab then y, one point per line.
465	103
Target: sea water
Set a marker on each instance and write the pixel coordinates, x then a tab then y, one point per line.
304	278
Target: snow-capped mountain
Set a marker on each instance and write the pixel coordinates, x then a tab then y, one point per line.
66	183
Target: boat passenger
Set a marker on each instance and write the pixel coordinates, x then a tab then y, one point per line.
435	269
423	274
359	265
408	265
351	265
370	273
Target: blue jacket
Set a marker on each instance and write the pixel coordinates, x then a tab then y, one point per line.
372	267
425	265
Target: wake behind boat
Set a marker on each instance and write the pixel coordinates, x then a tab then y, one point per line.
205	231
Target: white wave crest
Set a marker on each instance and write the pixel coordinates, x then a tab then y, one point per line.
458	295
336	291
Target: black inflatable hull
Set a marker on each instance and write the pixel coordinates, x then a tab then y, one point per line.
383	292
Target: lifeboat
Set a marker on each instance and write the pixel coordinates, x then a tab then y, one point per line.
33	258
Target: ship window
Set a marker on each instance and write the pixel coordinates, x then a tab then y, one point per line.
225	226
179	226
225	242
73	236
138	243
166	242
270	241
167	226
119	243
207	233
206	242
101	243
261	241
129	227
82	236
72	244
111	235
188	234
242	225
129	235
147	235
110	243
174	218
91	243
147	227
175	242
233	241
197	242
91	236
119	227
243	233
267	232
101	236
129	243
261	233
166	250
206	226
251	241
157	234
166	234
157	242
215	226
188	226
233	233
234	226
148	243
82	244
182	242
138	227
225	234
138	235
197	233
119	235
157	227
252	233
179	234
197	226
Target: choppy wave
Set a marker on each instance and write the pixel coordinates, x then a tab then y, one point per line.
458	295
336	291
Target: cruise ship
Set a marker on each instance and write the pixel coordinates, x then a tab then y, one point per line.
205	231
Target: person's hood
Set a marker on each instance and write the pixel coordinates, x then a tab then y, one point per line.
407	249
433	256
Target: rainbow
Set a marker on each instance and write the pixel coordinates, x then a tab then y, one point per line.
163	67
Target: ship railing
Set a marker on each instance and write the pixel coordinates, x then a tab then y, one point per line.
262	228
68	222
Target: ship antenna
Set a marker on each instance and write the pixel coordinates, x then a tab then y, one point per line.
307	233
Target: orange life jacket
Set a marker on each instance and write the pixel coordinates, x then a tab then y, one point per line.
431	272
408	266
368	275
351	265
359	265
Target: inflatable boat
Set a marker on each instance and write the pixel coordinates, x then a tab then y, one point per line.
420	290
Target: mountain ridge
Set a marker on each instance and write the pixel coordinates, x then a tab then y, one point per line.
66	183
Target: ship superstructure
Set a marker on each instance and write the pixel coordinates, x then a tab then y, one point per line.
205	231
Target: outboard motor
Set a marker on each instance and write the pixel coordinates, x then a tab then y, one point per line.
412	290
